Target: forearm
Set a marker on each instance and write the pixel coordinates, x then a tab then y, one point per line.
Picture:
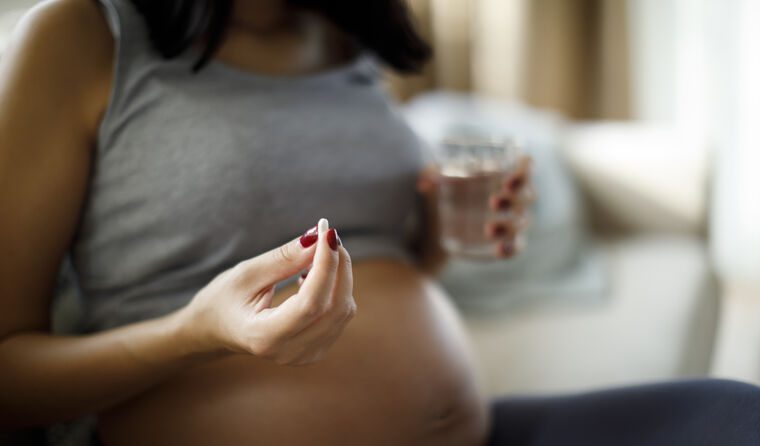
48	378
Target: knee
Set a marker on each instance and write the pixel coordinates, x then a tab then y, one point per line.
732	398
736	390
728	410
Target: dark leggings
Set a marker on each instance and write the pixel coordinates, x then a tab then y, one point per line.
690	413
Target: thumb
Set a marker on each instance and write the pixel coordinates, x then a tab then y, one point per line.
285	260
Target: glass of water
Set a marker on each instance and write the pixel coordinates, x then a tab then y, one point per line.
471	170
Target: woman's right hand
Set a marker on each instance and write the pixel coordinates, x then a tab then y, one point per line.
234	312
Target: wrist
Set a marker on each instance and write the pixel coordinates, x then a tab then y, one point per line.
190	341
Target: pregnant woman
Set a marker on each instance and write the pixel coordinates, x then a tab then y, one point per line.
174	151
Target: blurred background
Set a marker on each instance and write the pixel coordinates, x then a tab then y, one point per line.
642	115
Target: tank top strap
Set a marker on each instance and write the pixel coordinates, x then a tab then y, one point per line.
128	28
132	55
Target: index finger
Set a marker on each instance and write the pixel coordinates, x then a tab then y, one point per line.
519	176
318	285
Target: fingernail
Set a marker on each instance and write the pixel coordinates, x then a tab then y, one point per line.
497	203
505	249
503	204
333	240
304	274
496	230
309	237
516	183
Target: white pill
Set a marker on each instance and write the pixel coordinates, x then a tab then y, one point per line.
323	225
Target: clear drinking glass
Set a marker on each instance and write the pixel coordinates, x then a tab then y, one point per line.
471	171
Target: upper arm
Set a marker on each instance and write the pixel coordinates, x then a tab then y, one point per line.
52	83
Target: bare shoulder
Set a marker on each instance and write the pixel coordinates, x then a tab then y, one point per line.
66	47
71	18
72	27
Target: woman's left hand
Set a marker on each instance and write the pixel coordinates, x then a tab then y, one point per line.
511	206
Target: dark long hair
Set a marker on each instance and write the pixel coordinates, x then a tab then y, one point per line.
384	27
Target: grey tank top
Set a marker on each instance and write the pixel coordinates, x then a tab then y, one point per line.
196	172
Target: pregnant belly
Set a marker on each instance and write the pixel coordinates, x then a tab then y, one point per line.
401	374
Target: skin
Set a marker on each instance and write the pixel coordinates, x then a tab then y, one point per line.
235	343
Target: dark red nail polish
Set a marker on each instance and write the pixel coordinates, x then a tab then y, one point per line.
497	203
309	237
505	249
332	239
516	183
504	203
496	230
304	274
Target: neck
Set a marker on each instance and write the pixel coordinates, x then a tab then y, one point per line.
262	15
